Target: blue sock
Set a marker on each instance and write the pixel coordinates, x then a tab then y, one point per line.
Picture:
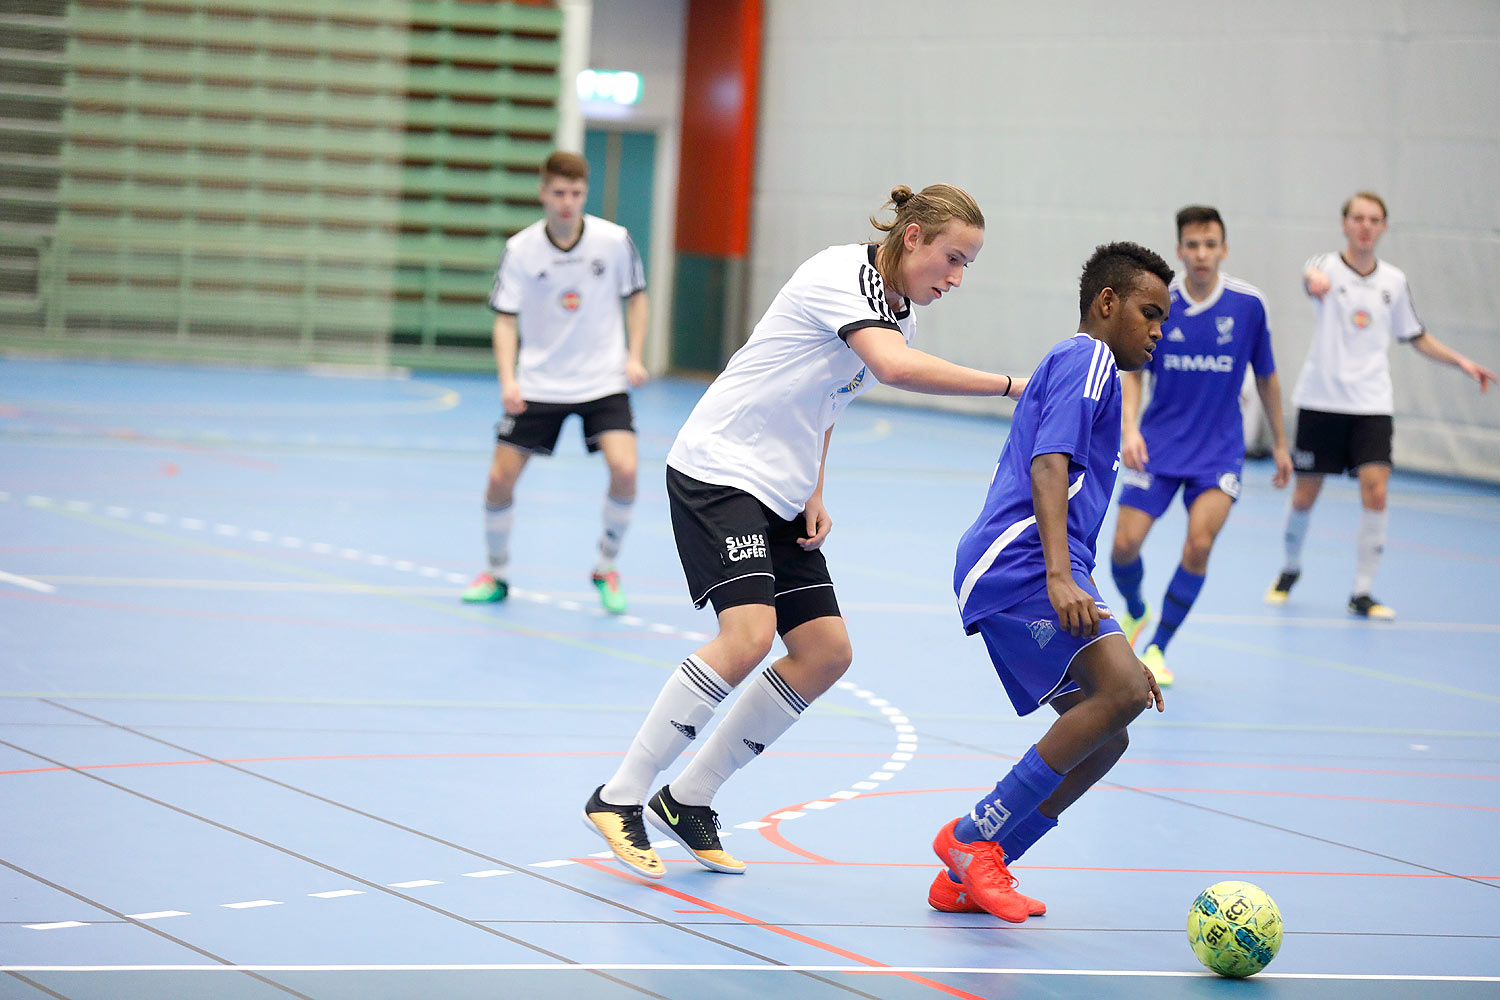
1181	593
1018	837
1025	787
1128	577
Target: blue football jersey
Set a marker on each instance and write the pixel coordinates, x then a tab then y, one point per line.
1071	406
1192	423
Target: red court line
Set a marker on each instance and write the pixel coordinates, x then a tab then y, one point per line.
772	833
1310	768
833	949
934	863
382	756
1323	796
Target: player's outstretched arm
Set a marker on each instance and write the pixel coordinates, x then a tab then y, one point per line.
1316	282
1075	607
886	353
1439	351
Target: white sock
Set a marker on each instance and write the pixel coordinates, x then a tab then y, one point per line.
1369	545
1296	534
616	522
687	701
497	525
765	710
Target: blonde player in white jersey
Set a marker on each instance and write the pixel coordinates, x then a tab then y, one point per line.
745	483
563	347
1343	396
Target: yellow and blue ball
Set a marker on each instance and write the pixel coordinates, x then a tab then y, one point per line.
1234	928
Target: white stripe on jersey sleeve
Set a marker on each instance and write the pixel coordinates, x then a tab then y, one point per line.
1101	367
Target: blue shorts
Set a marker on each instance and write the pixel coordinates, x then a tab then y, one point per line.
1032	652
1152	493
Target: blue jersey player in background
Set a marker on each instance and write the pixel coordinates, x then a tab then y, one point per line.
1192	435
1023	582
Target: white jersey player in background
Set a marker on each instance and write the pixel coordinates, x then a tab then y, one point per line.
563	347
1343	396
745	483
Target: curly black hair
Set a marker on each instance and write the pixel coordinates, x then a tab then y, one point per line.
1116	265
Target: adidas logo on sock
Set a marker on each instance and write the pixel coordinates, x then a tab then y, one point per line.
691	732
755	748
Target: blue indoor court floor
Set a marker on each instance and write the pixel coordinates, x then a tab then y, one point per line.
253	746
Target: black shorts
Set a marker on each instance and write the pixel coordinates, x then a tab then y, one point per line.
535	429
735	550
1332	443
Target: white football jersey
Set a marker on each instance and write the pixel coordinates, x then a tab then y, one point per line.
567	307
760	425
1348	367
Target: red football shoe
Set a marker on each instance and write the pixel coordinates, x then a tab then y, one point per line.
986	880
951	897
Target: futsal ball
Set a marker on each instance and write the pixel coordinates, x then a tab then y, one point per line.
1234	928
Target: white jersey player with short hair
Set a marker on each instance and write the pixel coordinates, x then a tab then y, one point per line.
567	303
1348	367
1345	405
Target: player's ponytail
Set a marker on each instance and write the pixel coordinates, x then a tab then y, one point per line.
932	208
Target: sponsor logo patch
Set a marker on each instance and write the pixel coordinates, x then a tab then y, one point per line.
738	547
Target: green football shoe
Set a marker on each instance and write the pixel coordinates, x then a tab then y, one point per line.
1157	664
611	594
1133	627
485	589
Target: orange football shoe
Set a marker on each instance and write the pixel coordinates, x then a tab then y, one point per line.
986	879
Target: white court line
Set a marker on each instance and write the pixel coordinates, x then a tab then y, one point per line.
27	582
867	970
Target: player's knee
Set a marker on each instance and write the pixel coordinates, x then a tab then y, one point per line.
1127	697
747	643
1196	551
837	657
622	472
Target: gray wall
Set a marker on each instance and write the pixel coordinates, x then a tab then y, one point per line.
1082	122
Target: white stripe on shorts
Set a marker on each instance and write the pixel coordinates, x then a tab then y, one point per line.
698	602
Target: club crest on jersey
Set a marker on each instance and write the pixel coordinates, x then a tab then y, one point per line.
1361	318
1225	325
1042	631
570	300
854	383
